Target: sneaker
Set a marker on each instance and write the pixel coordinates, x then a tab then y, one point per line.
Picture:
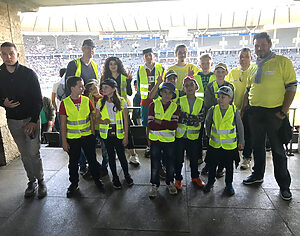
83	170
220	174
204	170
207	188
71	190
99	185
200	161
229	189
117	183
198	182
129	180
147	152
246	163
163	173
178	184
252	179
42	190
153	192
87	175
172	189
134	159
30	190
286	195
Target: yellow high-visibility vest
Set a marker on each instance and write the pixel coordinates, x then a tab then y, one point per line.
144	83
192	131
123	88
200	91
119	121
223	129
78	70
78	121
216	88
166	135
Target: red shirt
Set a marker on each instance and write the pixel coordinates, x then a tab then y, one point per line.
77	102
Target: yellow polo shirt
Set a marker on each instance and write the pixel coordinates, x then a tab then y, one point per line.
238	78
276	73
182	72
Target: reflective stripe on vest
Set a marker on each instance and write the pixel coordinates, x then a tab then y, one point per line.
200	91
119	121
166	135
192	132
78	121
123	87
144	83
216	88
223	131
78	70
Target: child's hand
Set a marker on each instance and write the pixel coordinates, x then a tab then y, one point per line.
129	77
125	141
240	146
159	78
190	71
106	121
157	121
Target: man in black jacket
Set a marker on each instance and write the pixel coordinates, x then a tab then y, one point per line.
20	95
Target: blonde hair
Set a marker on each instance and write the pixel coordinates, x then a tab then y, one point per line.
206	55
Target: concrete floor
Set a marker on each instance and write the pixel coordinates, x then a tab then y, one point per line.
253	210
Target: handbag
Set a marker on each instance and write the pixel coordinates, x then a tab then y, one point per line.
285	131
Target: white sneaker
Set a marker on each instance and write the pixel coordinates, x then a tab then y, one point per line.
172	189
153	192
134	159
245	164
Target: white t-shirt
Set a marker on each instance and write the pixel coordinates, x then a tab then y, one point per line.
54	90
111	112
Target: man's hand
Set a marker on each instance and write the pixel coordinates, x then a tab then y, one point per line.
65	146
280	115
30	128
10	103
125	141
240	146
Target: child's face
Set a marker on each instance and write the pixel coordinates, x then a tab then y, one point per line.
94	90
189	87
148	57
135	87
107	90
223	99
166	95
205	64
78	89
113	67
220	73
172	79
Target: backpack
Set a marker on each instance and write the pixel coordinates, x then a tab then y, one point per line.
61	89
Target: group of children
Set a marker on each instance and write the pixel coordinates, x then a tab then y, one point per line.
175	124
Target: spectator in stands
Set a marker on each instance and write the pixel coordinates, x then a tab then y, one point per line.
182	67
136	114
147	75
238	77
47	116
114	69
269	105
78	135
20	95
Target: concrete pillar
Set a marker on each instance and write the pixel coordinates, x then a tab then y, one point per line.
10	30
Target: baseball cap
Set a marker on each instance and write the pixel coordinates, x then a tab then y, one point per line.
221	65
110	82
170	86
192	79
88	42
226	91
147	50
170	72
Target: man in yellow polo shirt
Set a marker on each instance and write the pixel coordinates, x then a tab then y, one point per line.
238	77
182	67
271	88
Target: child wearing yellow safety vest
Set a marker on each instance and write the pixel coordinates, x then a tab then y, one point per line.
225	130
188	130
162	123
77	128
112	115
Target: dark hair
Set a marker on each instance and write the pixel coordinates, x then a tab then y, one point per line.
72	81
62	71
262	35
245	50
8	44
116	99
179	46
135	82
106	71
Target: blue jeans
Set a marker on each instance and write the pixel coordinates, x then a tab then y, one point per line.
156	149
264	121
192	150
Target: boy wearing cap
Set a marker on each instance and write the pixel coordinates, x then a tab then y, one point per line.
187	133
225	130
162	123
78	131
147	76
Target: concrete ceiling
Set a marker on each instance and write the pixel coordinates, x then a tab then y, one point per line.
33	5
